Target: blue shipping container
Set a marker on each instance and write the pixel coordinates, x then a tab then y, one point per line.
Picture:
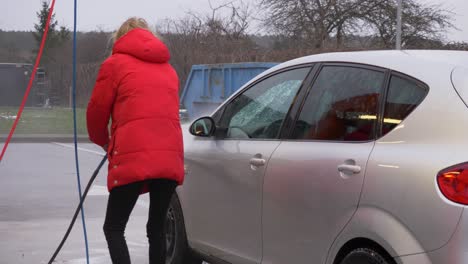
209	85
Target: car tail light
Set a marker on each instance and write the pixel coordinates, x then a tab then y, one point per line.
453	183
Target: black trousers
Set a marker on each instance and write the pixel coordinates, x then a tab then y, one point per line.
121	202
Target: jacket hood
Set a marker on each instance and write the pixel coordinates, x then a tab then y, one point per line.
143	45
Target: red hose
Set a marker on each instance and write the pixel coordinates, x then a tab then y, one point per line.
31	81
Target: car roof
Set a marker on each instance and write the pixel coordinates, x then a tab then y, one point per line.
424	65
384	57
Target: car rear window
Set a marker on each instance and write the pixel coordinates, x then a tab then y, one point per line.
460	82
403	97
342	105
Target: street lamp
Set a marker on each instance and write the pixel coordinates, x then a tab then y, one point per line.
399	24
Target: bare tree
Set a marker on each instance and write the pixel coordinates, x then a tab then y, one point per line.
457	46
220	36
420	23
313	21
93	48
317	21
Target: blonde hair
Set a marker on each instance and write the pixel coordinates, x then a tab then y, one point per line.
129	25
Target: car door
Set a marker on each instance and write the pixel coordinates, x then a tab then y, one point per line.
222	195
314	178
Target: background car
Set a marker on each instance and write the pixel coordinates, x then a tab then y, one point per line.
342	158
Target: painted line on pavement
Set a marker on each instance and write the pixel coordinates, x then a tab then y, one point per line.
95	260
100	153
98	190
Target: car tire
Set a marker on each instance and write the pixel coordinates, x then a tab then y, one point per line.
178	251
365	256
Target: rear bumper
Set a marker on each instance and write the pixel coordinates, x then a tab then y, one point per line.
454	252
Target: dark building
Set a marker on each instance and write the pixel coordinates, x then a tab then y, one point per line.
14	78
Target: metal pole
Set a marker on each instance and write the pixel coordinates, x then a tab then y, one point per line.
399	24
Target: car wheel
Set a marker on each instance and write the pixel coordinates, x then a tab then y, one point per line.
365	256
177	249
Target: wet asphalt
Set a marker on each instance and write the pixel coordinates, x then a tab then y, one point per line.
38	196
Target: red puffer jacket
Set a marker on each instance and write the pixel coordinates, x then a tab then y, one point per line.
138	88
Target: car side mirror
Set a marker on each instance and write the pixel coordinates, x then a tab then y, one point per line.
203	127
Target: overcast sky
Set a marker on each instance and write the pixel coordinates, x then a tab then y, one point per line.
108	14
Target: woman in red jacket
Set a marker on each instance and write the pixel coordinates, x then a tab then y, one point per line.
138	89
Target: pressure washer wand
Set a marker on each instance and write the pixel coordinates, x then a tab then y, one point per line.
77	211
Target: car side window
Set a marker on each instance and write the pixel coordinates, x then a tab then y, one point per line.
342	105
259	112
402	98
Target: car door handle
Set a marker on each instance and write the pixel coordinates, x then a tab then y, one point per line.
347	168
257	162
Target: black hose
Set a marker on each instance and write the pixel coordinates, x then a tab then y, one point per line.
77	211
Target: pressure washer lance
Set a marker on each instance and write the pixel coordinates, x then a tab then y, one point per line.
70	227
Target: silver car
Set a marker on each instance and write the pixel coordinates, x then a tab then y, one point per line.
341	158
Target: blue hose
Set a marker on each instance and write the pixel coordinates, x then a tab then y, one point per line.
75	131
